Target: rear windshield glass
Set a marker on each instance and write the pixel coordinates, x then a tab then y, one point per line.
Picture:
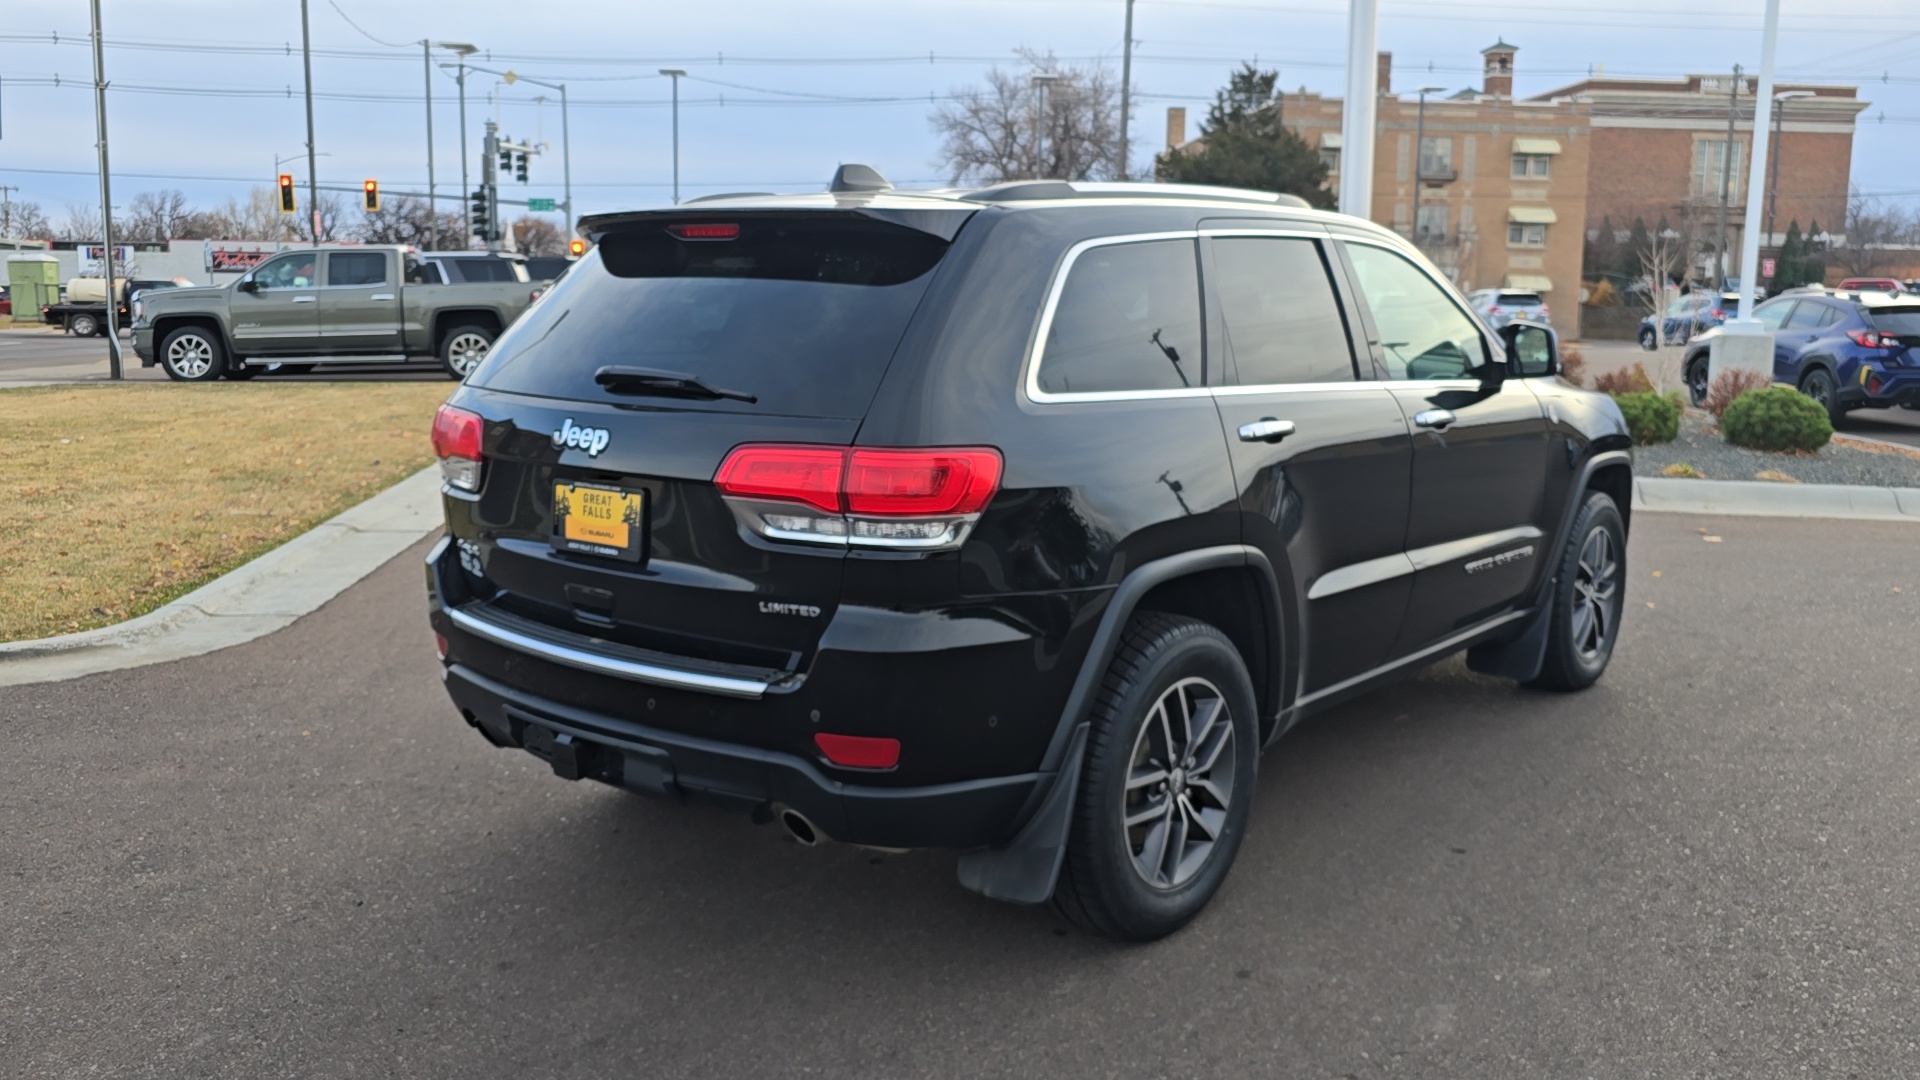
1903	321
804	316
1519	298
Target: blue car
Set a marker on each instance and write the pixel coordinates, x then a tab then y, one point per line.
1688	317
1844	350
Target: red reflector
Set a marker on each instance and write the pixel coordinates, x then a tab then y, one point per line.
921	482
704	232
804	474
859	751
456	433
440	645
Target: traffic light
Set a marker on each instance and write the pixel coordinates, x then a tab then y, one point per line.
506	160
576	248
480	215
286	193
520	167
370	195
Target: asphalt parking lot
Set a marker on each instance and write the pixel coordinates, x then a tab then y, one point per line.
292	858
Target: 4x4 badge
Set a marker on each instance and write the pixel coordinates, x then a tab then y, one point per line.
591	439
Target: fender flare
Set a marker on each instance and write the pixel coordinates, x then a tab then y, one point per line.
1024	871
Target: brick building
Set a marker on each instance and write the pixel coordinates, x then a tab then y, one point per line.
1658	151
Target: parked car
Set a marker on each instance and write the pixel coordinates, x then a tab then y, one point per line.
6	300
910	519
1872	284
1688	316
1844	352
279	315
459	267
1502	306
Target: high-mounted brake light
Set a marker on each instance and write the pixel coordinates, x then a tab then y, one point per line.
456	442
915	498
704	232
859	751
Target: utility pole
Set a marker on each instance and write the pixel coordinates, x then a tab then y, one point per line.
1126	90
1043	83
1726	182
676	75
306	63
6	209
433	208
1357	113
114	366
490	183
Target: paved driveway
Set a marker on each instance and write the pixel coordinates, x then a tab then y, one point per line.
293	859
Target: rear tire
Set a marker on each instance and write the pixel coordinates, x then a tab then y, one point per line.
464	348
1697	381
1648	340
192	354
1166	784
83	325
1589	595
1819	386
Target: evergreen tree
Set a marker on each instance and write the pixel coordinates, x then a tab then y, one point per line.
1243	144
1792	259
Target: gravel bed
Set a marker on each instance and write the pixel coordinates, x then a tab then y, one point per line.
1701	446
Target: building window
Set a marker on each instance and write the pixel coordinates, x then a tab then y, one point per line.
1519	235
1532	166
1436	158
1430	222
1711	168
1330	157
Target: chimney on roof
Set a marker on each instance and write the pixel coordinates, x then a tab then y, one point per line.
1498	71
1176	126
1383	73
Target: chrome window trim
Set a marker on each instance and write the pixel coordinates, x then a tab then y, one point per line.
1387	567
1036	350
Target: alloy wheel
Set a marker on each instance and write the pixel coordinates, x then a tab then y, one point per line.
1180	783
1595	583
466	351
190	356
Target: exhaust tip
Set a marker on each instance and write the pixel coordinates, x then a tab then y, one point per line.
800	828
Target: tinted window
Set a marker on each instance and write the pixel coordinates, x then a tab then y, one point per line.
1773	313
484	270
1128	319
1810	316
1422	332
1520	298
806	318
1904	321
357	268
1283	322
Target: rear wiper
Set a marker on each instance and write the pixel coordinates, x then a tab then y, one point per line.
619	379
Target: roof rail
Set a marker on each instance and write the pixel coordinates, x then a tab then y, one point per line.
1021	190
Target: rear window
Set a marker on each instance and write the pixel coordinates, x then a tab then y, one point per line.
484	269
803	315
1902	321
1519	298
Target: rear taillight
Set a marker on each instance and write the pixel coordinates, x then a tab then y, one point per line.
1874	339
456	442
859	751
1545	310
1494	310
901	498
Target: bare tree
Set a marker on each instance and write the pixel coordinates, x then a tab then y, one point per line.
1041	120
24	220
1873	229
403	219
1660	254
538	236
81	223
333	217
155	217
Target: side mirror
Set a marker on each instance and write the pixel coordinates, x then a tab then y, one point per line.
1533	351
247	284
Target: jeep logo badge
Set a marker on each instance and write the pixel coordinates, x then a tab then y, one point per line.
591	439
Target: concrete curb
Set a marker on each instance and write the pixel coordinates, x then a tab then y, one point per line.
1759	498
250	602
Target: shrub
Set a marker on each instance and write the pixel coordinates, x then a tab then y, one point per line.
1632	380
1573	365
1777	418
1731	384
1651	417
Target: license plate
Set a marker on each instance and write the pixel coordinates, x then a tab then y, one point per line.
597	520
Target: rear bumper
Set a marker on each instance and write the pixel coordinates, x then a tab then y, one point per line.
582	745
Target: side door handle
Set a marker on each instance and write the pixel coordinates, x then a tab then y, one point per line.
1266	429
1434	419
381	296
304	299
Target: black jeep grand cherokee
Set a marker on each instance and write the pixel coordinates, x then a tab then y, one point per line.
1015	520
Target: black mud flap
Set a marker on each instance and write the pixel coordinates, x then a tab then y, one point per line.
1520	655
1025	870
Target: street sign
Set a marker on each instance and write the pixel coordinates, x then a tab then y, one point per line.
537	205
1766	268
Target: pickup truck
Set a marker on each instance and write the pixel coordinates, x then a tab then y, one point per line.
83	310
327	305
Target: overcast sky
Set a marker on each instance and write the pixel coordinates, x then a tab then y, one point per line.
758	111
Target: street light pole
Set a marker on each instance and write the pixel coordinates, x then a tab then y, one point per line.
1773	184
566	139
462	50
1756	178
1357	113
676	75
433	207
306	62
114	366
1419	152
1043	126
1126	90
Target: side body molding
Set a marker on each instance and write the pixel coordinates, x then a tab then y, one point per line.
1024	871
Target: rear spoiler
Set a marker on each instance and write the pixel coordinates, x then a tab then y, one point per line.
939	221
